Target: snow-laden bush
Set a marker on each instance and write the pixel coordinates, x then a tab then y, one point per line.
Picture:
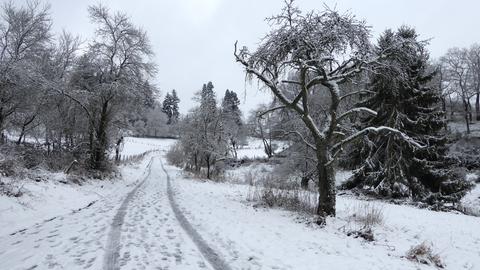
175	155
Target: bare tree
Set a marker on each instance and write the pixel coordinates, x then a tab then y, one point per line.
325	49
24	34
458	71
114	72
474	62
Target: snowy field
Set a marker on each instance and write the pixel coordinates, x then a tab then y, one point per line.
151	235
135	146
254	148
259	238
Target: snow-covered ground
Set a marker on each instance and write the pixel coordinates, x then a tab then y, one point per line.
258	238
471	201
254	148
52	198
136	223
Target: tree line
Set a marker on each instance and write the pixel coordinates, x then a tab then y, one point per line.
459	79
73	95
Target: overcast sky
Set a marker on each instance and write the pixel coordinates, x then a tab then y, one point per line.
193	39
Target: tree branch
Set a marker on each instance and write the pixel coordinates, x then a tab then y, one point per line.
356	110
338	147
260	115
356	93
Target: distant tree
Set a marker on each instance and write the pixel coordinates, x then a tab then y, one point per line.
202	140
267	126
232	120
175	109
446	91
170	107
167	107
458	71
211	137
474	63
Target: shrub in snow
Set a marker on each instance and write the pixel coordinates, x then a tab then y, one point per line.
368	214
273	192
467	153
7	168
365	216
11	188
175	155
423	253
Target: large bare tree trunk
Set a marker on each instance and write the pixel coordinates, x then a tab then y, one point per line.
195	158
326	183
207	159
100	140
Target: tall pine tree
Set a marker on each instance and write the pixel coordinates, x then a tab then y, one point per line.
405	99
170	107
175	108
232	120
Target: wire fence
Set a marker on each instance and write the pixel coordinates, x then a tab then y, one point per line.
127	159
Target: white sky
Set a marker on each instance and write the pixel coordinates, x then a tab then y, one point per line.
193	39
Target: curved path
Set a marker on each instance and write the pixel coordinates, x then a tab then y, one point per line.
143	229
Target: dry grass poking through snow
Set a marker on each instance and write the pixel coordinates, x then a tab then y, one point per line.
272	192
362	218
368	214
423	253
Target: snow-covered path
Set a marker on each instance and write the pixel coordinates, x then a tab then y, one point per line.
135	231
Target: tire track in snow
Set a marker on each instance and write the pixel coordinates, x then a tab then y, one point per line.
112	251
209	253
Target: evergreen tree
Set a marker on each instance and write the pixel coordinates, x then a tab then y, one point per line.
232	120
208	102
406	100
175	108
167	107
170	107
208	130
